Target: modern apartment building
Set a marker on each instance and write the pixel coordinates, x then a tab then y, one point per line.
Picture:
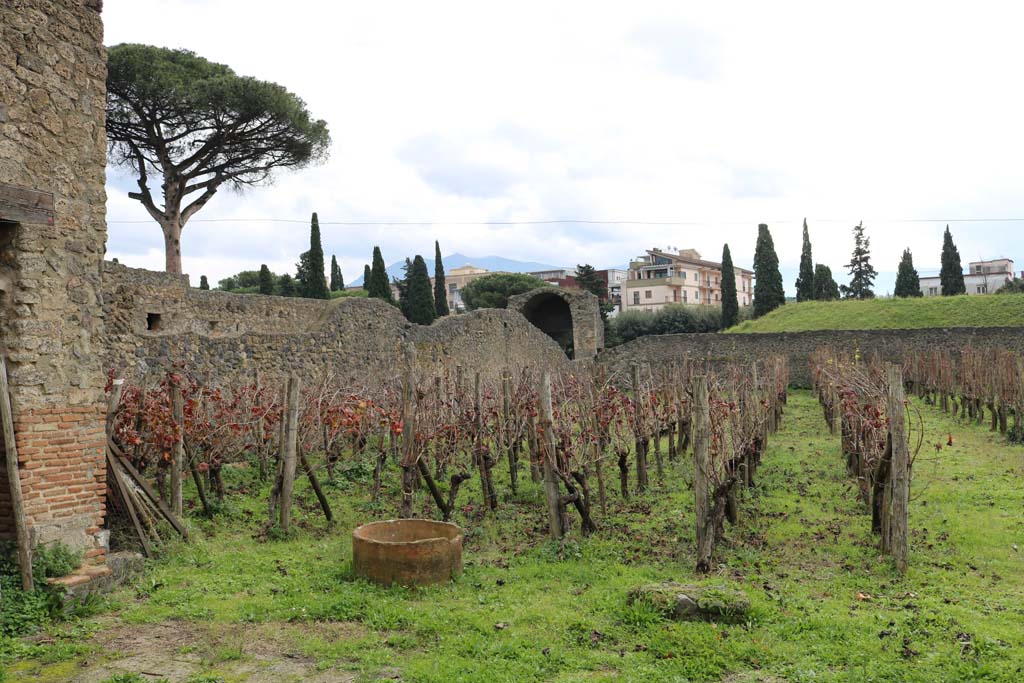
456	279
982	277
662	277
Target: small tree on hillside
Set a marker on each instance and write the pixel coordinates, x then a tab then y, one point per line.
952	274
768	290
440	287
805	281
730	299
266	280
286	285
379	286
862	273
418	296
825	286
493	291
366	276
337	281
312	281
908	284
204	283
589	280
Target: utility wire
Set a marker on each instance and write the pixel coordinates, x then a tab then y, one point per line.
581	222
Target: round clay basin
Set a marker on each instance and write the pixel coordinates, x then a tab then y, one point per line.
409	552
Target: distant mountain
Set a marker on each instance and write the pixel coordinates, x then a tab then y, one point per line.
492	263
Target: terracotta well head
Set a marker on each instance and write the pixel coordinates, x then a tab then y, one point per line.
409	552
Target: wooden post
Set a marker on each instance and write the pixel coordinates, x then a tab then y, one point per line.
177	448
701	472
409	455
641	437
900	468
547	452
289	451
14	481
506	431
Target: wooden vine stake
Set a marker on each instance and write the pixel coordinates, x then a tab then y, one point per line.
409	454
178	447
546	441
289	450
900	468
14	480
701	472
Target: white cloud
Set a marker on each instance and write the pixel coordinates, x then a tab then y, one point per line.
721	114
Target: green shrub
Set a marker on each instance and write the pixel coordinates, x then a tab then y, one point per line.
54	561
672	319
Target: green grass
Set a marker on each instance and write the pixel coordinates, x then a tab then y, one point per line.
526	609
877	314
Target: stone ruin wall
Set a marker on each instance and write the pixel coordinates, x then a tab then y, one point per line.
799	347
359	341
53	142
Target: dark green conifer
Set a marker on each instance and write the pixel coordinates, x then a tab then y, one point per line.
418	297
952	274
440	288
825	286
379	284
908	284
312	280
768	290
337	281
266	280
730	299
805	281
862	273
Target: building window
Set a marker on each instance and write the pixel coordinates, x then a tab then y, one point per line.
153	322
696	295
636	298
647	294
932	291
982	289
675	295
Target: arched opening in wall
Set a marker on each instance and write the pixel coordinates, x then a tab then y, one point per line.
551	314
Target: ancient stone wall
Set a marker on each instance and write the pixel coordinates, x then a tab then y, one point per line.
571	317
359	341
53	148
800	346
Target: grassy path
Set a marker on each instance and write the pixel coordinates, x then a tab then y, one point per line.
826	607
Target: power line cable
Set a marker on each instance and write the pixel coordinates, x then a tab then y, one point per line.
567	221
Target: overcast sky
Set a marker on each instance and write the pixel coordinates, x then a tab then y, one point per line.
719	115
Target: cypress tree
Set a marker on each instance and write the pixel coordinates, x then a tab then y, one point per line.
366	276
418	297
266	280
402	285
380	286
204	283
768	291
312	280
908	284
862	273
805	281
440	288
952	274
337	281
825	287
730	300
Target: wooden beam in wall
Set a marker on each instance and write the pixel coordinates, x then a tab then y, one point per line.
22	205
